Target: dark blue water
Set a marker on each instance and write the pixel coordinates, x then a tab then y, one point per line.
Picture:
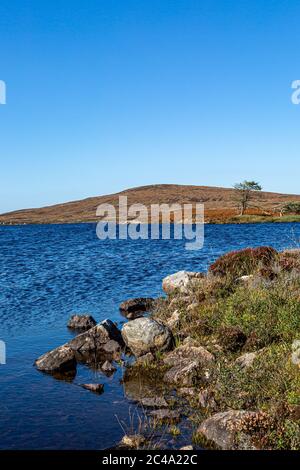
49	272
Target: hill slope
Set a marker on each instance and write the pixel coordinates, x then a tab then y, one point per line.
220	205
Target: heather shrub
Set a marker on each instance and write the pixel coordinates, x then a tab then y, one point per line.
245	262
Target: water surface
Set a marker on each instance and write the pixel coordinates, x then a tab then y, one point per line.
48	272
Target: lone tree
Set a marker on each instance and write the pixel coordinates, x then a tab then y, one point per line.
291	208
245	192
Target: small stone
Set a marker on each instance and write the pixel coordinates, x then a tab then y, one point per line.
173	321
179	281
108	367
246	360
155	402
187	448
81	322
206	399
145	359
96	388
133	442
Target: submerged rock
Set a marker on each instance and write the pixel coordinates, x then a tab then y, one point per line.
145	335
96	388
81	322
228	430
60	360
179	281
134	308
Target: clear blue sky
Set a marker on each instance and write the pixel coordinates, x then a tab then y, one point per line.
104	95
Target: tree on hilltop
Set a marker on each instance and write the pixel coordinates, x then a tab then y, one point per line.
244	192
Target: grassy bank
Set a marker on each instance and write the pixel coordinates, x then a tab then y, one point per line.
250	325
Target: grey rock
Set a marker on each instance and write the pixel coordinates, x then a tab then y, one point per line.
145	359
132	441
145	335
226	429
81	322
186	351
179	281
206	399
185	373
96	338
246	360
108	367
59	360
155	402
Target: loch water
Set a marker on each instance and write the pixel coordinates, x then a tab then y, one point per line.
48	272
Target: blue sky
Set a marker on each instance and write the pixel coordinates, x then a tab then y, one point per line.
109	94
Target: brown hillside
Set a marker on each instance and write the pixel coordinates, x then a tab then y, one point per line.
220	205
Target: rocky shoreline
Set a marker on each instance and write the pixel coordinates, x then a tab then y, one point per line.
209	352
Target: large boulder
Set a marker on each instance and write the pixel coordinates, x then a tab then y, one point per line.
179	281
145	335
58	361
228	430
134	308
81	322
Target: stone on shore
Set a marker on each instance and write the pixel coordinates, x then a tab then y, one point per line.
246	360
186	351
134	441
60	360
145	335
108	367
154	402
179	281
134	308
81	322
228	430
95	339
184	374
